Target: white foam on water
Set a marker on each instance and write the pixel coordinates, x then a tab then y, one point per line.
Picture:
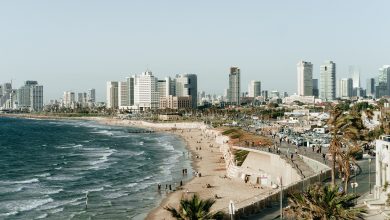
132	185
8	214
42	216
63	178
10	189
56	204
33	180
115	195
43	175
25	205
56	210
94	190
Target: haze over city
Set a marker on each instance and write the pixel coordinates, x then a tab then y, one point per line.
73	45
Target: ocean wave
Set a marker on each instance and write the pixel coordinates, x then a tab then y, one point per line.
10	189
63	178
105	132
42	216
56	204
132	185
25	205
94	190
43	175
33	180
115	195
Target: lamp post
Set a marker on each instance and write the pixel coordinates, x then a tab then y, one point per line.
369	173
281	198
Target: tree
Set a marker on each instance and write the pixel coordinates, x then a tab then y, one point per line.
323	203
195	208
345	130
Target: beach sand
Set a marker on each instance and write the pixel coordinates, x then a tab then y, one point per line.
209	162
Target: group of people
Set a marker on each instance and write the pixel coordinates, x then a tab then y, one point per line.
168	186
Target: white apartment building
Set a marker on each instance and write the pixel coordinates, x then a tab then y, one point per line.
345	88
254	89
305	78
68	99
112	94
146	94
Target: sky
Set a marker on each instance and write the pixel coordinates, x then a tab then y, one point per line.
72	45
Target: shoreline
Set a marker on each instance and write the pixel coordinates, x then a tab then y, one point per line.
206	158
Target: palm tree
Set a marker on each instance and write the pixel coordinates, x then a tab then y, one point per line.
323	203
195	208
345	130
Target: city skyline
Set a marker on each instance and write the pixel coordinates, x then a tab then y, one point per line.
96	45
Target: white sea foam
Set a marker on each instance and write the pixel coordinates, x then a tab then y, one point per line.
115	195
34	180
60	203
94	190
63	178
42	216
56	210
25	205
43	175
132	184
10	189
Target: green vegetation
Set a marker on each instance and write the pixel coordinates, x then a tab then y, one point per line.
323	203
229	131
195	208
240	156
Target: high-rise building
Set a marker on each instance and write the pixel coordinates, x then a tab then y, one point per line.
30	96
264	93
305	78
328	81
36	98
234	90
68	99
91	96
123	96
370	88
316	91
345	88
187	85
112	94
166	87
383	87
130	85
82	97
254	89
146	94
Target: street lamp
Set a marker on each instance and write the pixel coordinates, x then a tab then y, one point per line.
369	173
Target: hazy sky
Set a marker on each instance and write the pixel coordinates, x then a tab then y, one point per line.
77	45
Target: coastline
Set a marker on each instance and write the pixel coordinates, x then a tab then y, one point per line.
206	158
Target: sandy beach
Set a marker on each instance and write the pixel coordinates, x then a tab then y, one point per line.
207	160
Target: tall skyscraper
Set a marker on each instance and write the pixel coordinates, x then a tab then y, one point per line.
123	96
254	89
316	91
345	88
68	98
370	88
146	91
112	94
328	81
187	85
30	96
305	78
167	87
36	98
91	96
130	85
234	90
383	87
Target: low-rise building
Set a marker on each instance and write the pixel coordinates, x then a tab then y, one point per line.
174	102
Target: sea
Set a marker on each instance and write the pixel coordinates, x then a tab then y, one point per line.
70	169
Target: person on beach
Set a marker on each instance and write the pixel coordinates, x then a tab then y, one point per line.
170	187
181	183
159	187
